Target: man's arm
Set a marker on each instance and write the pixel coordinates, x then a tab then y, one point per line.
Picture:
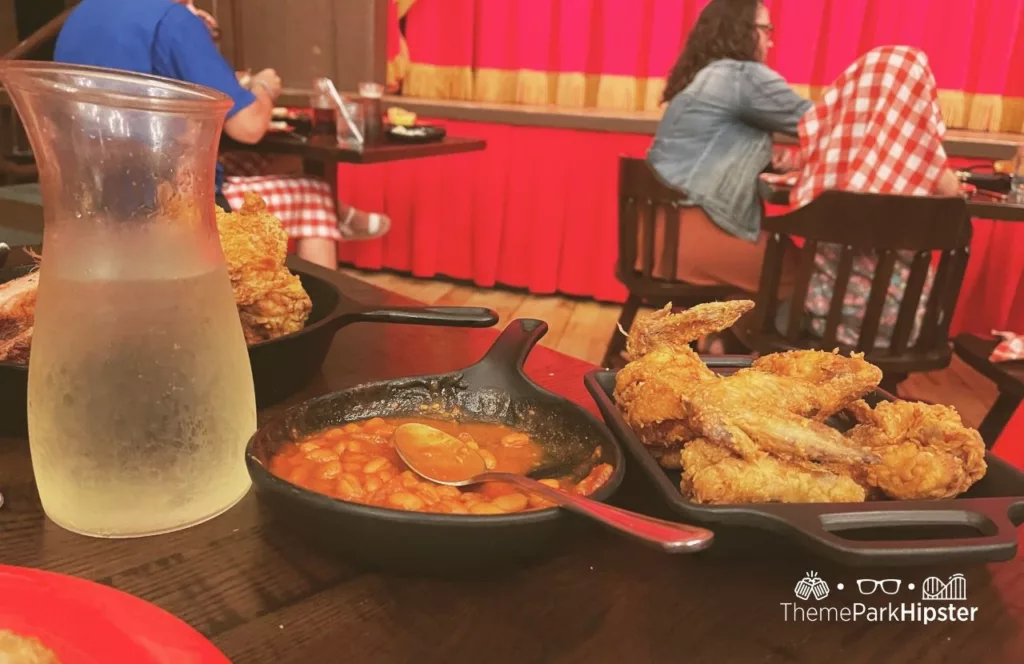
185	44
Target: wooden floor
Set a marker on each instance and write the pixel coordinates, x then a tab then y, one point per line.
582	328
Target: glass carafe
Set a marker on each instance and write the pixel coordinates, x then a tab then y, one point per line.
140	396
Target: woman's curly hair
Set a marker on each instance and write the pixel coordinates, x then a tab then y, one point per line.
725	30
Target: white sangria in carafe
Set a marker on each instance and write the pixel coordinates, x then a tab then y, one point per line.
140	395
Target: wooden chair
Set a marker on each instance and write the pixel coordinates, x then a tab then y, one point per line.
1008	377
863	223
649	211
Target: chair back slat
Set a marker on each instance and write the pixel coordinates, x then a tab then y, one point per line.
670	249
800	288
933	311
876	301
629	230
835	308
952	290
916	280
648	239
766	300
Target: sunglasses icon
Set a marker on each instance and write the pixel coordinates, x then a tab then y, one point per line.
887	586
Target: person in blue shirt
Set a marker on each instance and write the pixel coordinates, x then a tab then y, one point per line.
173	39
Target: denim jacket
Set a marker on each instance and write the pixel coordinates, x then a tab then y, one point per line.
715	138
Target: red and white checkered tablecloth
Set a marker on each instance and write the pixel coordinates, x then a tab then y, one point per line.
877	129
1009	349
304	205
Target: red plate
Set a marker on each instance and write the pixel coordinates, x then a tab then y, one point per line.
88	623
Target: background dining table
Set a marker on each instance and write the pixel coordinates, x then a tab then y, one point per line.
261	594
322	154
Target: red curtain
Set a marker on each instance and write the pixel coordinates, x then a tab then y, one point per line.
535	210
614	54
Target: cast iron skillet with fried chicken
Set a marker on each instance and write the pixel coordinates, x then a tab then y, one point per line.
803	442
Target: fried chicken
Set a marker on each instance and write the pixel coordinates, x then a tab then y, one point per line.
663	366
271	300
926	451
665	329
713	475
752	429
648	393
814	383
17	317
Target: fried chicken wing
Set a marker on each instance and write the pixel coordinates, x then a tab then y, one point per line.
649	391
926	451
751	429
271	300
665	329
713	475
17	317
664	367
814	383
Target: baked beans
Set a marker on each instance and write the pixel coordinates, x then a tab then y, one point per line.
358	463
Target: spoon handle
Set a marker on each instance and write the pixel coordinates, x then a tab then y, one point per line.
668	536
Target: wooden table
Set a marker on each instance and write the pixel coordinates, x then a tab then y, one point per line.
325	149
779	195
263	596
322	154
1008	377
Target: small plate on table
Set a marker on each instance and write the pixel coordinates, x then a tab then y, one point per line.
82	622
416	133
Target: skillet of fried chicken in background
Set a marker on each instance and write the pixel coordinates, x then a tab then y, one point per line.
760	435
271	301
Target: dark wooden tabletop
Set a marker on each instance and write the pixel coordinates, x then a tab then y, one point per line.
263	596
1008	376
779	195
326	148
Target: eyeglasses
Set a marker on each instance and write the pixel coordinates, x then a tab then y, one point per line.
869	586
767	27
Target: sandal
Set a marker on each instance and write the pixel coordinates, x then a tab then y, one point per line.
372	225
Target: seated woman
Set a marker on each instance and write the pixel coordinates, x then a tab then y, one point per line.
715	138
172	38
876	129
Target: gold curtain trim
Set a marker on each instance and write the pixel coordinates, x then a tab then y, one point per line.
960	110
497	86
398	66
404	6
438	82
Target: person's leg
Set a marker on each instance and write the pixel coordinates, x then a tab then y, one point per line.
322	251
304	208
359	225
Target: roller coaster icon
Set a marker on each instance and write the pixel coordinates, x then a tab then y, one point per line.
936	590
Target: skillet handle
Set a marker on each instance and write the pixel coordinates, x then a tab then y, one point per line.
447	316
998	541
507	355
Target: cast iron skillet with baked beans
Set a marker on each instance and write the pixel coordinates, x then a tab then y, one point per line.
495	390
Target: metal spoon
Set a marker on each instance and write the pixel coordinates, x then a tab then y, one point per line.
444	459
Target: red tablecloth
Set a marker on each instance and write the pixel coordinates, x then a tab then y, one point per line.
537	210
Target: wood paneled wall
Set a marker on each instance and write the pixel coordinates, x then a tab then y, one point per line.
342	39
